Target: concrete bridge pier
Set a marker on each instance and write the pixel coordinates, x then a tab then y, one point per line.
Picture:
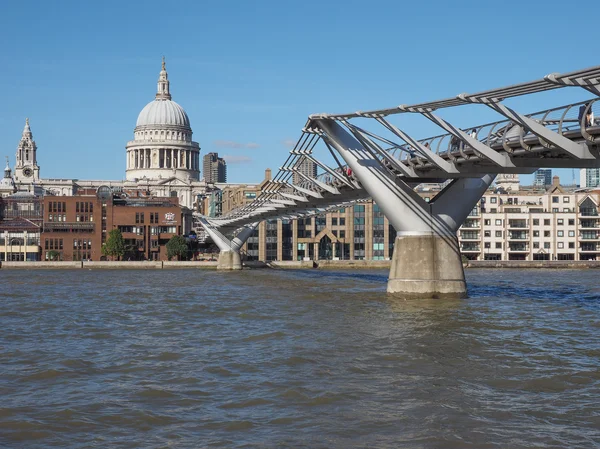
426	262
426	266
229	255
229	260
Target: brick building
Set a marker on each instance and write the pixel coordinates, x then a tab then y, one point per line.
75	227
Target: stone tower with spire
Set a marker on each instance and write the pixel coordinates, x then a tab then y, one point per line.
7	185
27	169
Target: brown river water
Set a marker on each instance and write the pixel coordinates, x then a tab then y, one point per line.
296	359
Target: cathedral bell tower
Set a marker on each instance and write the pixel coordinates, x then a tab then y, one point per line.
27	169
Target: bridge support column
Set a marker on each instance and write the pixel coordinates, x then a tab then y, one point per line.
229	255
426	266
426	262
229	260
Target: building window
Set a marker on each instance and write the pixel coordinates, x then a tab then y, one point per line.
571	245
571	233
546	233
555	209
560	222
571	222
342	221
560	245
560	234
486	245
536	221
498	222
546	245
536	245
565	199
555	199
493	200
487	222
487	233
333	221
498	233
547	222
498	245
566	209
536	233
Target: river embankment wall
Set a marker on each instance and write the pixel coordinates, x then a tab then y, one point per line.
293	264
113	265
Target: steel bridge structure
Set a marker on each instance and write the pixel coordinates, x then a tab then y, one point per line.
375	158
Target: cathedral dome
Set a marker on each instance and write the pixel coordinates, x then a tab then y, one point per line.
163	112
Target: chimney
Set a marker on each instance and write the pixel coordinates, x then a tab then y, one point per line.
268	174
555	181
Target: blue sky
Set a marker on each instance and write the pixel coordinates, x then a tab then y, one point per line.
249	73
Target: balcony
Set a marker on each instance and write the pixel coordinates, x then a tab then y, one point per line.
589	247
64	226
517	224
471	224
469	236
470	248
518	236
518	248
589	236
590	224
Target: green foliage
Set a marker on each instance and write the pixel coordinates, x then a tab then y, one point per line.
115	245
53	255
177	247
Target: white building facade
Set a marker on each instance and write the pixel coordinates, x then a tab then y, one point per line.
549	225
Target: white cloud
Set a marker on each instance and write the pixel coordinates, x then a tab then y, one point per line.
234	144
236	159
289	143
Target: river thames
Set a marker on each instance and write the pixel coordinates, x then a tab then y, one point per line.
297	359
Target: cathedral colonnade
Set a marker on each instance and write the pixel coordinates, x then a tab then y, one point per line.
163	158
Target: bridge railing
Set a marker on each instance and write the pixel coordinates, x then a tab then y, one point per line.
506	134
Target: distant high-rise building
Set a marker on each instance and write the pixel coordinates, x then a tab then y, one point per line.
542	177
215	168
307	168
589	177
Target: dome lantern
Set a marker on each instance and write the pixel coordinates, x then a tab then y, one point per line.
162	92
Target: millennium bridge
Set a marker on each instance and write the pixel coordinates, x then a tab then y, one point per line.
379	160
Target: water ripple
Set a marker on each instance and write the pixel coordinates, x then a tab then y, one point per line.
297	359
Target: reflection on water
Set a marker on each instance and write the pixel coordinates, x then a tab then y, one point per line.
313	358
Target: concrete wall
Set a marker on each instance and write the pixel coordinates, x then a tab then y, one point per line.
108	265
577	264
43	264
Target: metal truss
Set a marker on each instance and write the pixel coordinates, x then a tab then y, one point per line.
561	137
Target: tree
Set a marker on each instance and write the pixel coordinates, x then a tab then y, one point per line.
115	245
177	247
53	255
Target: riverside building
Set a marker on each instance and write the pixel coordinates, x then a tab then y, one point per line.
511	223
75	227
